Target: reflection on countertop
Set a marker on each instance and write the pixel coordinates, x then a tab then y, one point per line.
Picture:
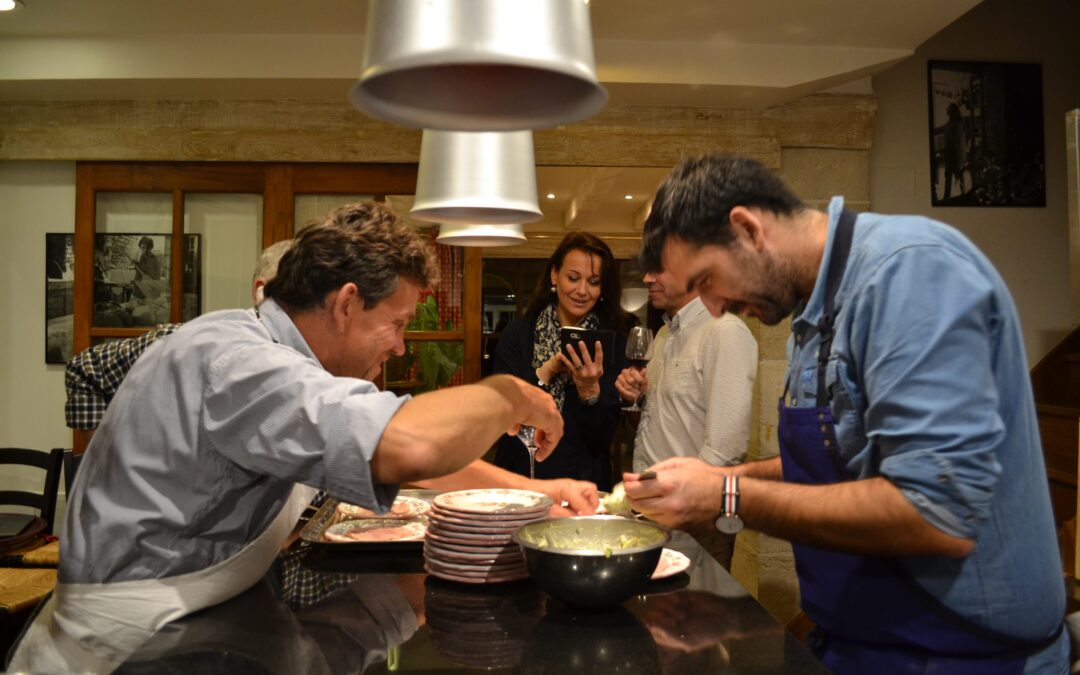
320	612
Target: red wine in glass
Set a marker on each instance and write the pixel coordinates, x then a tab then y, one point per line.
638	343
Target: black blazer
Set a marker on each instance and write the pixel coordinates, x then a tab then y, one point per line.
584	453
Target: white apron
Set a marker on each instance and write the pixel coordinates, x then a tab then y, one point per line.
93	628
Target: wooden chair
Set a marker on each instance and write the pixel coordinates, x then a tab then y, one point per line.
44	501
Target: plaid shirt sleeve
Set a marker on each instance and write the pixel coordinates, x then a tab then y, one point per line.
93	376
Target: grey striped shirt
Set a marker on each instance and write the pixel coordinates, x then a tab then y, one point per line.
202	444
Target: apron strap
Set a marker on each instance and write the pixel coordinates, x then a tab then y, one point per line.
841	247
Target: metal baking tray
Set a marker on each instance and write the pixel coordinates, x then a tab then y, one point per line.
327	515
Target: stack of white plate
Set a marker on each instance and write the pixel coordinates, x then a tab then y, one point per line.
468	535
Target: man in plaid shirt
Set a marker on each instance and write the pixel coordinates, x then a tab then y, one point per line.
93	375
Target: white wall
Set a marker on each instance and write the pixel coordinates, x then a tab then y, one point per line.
39	197
1029	246
35	198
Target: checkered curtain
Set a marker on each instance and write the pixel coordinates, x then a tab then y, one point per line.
450	293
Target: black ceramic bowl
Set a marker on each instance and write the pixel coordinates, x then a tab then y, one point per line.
591	562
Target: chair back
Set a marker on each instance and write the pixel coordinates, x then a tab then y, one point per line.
44	501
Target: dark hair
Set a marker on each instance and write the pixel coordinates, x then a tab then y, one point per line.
362	243
148	242
694	202
607	307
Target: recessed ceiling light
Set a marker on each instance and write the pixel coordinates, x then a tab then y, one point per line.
551	195
8	5
628	197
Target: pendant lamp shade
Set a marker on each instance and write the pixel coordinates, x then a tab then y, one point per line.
476	177
455	234
478	65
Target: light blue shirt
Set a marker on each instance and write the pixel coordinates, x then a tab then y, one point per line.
930	390
203	442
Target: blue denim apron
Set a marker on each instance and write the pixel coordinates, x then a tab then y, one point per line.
871	616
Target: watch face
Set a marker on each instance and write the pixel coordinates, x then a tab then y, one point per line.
729	524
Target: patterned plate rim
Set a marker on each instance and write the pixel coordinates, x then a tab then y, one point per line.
538	501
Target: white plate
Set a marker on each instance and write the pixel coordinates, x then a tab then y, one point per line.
486	519
375	530
403	507
671	563
499	501
478	579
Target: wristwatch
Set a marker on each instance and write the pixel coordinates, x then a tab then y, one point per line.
592	400
729	521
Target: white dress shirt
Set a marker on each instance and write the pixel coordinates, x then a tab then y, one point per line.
699	402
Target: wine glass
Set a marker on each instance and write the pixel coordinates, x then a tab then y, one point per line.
527	435
638	343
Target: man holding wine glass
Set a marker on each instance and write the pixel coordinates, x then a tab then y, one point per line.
698	387
638	351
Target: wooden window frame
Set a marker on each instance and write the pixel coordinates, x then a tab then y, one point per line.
279	183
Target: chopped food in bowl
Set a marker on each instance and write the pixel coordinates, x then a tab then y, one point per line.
591	562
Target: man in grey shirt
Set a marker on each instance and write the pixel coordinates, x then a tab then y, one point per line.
698	386
219	436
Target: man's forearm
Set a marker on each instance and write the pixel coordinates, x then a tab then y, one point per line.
762	469
443	431
867	516
478	474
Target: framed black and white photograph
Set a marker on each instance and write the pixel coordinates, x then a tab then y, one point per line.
59	296
986	134
131	284
131	279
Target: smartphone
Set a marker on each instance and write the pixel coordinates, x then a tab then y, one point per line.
571	335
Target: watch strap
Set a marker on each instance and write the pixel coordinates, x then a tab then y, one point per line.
730	496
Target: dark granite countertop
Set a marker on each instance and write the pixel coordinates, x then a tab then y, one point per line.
327	611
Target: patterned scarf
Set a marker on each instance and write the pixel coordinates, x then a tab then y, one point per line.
547	343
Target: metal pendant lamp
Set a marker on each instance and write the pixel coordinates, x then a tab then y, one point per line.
456	234
476	177
478	65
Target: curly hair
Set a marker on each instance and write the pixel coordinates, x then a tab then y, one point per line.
362	243
694	202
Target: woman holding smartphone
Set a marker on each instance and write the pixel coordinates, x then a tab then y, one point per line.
580	288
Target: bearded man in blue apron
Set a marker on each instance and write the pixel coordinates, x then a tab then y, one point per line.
220	434
910	477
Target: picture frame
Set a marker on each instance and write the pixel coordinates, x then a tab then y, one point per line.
986	134
131	284
59	296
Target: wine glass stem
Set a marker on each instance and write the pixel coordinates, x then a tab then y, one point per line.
532	461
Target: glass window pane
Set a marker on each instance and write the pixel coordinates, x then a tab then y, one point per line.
223	240
133	212
425	366
132	258
508	284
